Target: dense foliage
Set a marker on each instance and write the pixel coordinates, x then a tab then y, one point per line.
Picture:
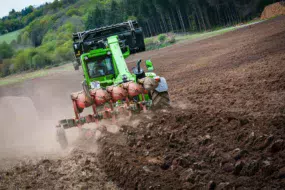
161	16
45	38
19	19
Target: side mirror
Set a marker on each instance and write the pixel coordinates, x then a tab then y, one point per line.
149	65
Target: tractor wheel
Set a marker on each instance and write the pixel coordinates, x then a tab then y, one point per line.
76	64
142	48
61	137
160	99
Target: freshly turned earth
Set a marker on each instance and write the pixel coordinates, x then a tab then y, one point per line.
225	130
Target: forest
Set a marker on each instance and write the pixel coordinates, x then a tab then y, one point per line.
162	16
45	39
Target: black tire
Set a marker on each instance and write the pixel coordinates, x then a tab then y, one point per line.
160	99
142	48
61	137
76	64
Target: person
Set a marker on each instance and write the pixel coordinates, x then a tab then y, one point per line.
109	65
100	67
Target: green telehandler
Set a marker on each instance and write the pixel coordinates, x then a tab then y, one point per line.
111	89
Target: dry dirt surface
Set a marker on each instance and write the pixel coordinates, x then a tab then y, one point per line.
226	129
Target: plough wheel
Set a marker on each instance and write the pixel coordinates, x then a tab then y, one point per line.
160	99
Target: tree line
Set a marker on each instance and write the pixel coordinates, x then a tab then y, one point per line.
46	36
162	16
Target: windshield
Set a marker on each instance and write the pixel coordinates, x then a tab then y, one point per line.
100	67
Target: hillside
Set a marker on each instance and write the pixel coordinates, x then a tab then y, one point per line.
45	38
9	37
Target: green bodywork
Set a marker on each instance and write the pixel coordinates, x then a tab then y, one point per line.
120	69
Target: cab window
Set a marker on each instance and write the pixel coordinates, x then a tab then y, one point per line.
100	67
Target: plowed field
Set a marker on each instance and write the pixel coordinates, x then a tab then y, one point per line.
225	130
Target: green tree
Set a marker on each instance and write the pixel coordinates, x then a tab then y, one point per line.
5	67
72	12
6	51
96	18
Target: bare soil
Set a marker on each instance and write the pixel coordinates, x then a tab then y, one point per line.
79	170
225	130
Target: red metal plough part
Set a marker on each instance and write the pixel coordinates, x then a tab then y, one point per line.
105	99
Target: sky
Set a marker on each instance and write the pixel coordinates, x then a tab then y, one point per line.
7	5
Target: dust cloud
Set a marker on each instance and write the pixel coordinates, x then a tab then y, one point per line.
23	134
26	136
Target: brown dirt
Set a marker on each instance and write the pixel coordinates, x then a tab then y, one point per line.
71	172
273	10
226	129
187	149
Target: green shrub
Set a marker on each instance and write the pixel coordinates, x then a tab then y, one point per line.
48	47
37	61
132	18
149	41
48	67
13	43
5	67
20	62
162	38
63	54
160	41
171	39
30	59
68	28
25	39
6	51
72	12
40	60
50	36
